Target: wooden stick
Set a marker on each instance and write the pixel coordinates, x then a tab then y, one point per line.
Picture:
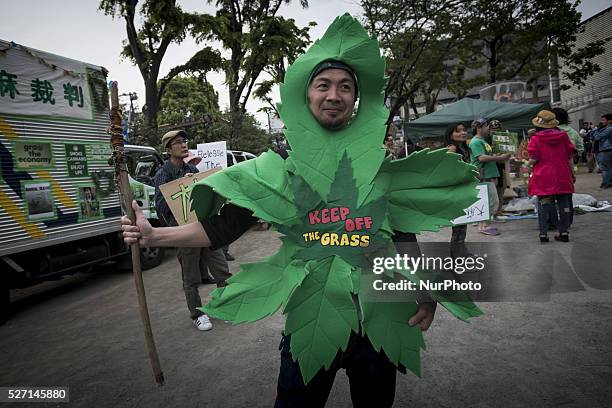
121	176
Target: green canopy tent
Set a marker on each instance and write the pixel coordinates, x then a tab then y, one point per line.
513	116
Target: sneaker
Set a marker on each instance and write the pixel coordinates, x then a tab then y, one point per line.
203	323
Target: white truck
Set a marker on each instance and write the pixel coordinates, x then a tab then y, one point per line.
59	208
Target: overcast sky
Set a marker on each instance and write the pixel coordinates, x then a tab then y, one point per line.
76	29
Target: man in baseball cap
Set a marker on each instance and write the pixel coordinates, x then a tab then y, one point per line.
175	143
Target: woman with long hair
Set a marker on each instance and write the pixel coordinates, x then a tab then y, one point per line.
456	142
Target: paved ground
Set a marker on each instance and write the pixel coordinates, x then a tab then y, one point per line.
85	333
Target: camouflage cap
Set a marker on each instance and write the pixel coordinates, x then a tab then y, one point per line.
167	138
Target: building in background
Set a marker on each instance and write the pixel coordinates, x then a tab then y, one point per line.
589	102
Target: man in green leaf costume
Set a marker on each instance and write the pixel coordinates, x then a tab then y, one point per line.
339	203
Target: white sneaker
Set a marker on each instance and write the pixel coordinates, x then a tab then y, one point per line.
203	323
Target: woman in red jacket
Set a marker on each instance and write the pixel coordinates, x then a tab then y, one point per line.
553	174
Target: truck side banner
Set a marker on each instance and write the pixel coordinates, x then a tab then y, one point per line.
30	85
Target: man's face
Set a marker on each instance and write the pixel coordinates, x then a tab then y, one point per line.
177	147
605	121
331	98
483	131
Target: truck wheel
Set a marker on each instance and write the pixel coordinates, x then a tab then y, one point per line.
151	257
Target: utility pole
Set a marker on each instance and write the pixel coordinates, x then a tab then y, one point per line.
133	97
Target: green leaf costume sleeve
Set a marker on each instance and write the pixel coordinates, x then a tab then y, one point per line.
427	189
261	185
337	201
259	289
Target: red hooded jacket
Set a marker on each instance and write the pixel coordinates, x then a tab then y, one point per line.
552	149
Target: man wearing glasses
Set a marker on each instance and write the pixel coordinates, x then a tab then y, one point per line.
175	143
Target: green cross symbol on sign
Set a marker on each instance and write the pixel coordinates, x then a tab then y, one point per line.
184	195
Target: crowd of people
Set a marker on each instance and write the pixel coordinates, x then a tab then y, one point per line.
555	149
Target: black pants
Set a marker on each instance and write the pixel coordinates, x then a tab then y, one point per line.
457	242
549	206
371	377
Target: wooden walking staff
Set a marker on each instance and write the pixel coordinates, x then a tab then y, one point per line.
121	177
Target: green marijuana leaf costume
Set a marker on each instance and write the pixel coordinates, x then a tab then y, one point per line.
314	284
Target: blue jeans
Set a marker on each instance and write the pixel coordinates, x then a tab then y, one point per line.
547	211
604	159
371	377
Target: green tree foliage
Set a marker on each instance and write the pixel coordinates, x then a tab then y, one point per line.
522	39
432	45
253	138
188	100
418	39
257	41
164	23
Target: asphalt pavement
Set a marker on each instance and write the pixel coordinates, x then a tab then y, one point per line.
84	332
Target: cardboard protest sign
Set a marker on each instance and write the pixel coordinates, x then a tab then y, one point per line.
504	142
479	211
178	193
213	155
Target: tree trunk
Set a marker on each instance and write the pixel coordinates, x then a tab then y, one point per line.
493	62
534	94
413	106
236	115
152	104
430	106
394	109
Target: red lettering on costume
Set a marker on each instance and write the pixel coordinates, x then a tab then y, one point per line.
325	215
334	215
344	212
313	217
350	225
358	223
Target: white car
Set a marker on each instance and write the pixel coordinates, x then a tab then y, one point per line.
237	156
